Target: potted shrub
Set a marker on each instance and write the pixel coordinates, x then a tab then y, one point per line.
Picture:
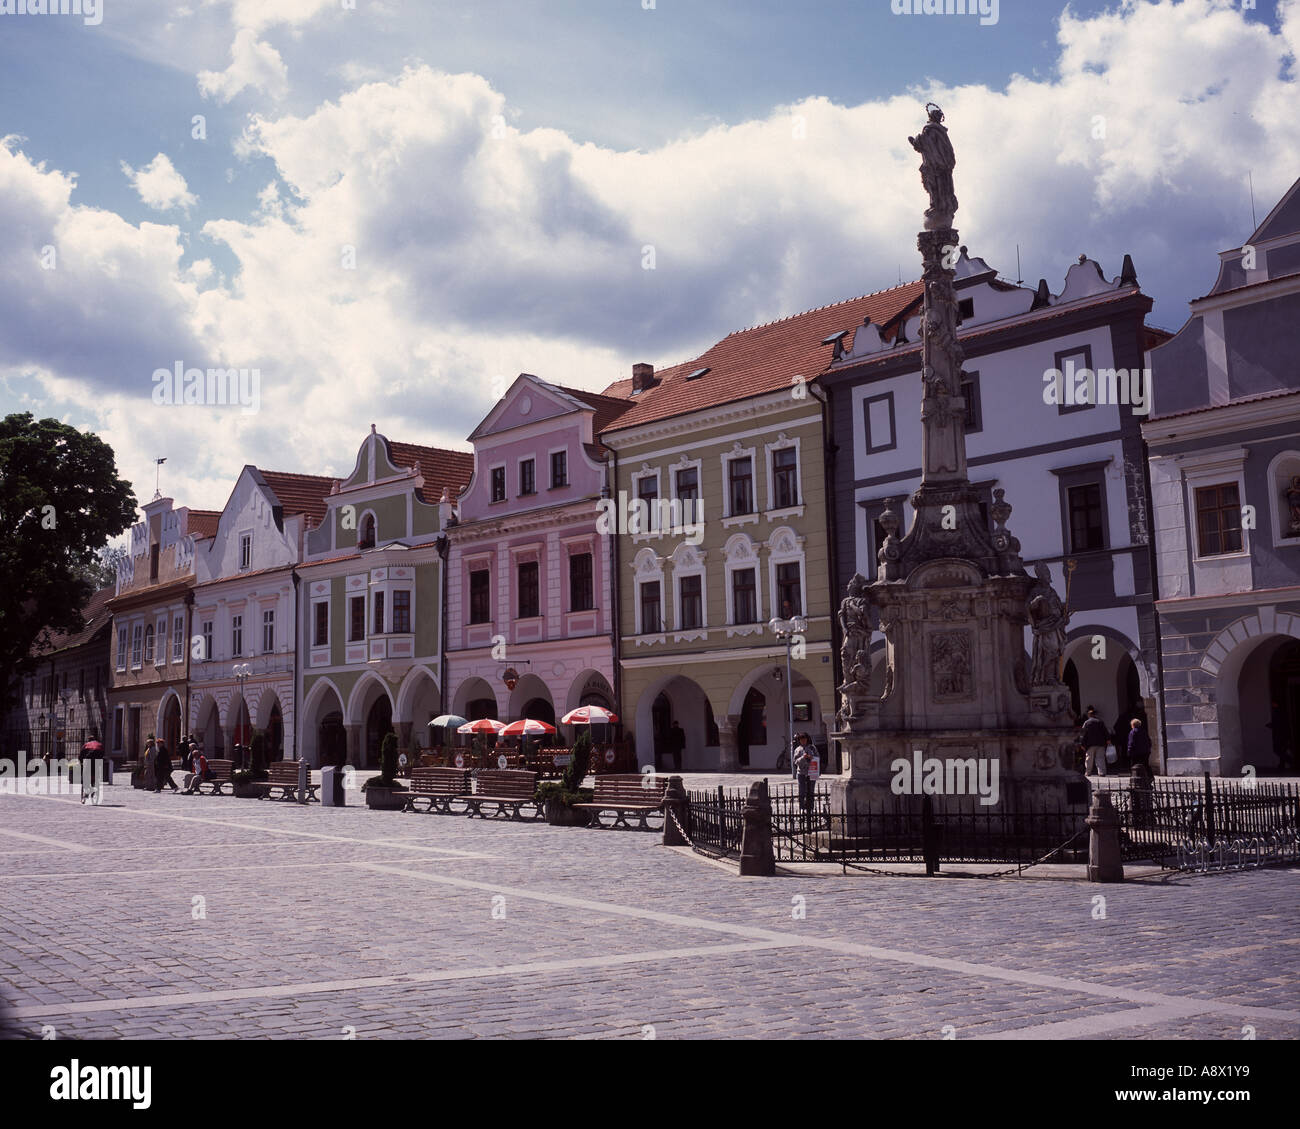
244	783
383	791
557	799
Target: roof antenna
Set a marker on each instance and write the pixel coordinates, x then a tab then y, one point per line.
900	274
1019	279
1250	177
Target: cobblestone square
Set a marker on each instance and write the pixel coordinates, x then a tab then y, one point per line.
162	916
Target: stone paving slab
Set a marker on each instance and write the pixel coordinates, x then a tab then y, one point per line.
333	923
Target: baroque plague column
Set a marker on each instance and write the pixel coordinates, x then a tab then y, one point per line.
953	598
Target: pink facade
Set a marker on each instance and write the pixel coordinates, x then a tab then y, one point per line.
530	574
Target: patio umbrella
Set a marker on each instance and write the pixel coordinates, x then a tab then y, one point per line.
92	747
442	721
527	728
589	715
483	725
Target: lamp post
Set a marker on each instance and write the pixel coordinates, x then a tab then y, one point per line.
787	629
242	672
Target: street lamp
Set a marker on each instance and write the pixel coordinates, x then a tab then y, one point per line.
242	672
787	629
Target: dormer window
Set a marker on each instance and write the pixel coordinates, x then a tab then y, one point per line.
367	538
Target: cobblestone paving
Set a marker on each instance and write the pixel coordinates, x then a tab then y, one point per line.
192	917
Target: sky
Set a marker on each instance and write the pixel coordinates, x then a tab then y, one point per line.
386	209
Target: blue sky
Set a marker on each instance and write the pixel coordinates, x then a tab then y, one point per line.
499	168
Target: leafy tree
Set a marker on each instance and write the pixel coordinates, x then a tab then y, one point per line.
61	500
103	572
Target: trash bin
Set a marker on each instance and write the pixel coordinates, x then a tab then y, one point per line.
331	787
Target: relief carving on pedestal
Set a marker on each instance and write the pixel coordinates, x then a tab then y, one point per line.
951	677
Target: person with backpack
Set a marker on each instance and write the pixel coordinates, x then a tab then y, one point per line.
1095	738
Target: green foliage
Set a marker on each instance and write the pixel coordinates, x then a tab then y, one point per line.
556	789
576	772
388	759
257	751
61	500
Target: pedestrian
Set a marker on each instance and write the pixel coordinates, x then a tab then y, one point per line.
1095	738
677	744
200	772
1139	744
804	752
163	768
148	766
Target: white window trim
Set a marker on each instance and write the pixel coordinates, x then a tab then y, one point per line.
648	568
1278	483
742	552
178	637
697	514
267	609
680	570
655	532
329	622
524	554
123	648
582	545
160	636
237	652
769	451
471	563
519	476
789	556
137	645
209	637
1215	469
730	520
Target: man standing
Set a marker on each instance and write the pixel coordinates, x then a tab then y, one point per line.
677	744
1094	742
804	752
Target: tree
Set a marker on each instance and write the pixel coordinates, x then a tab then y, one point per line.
61	500
102	573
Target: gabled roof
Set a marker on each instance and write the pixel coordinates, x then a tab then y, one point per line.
202	523
1284	219
607	408
761	359
299	493
96	615
439	467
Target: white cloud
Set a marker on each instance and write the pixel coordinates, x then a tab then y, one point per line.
254	64
160	186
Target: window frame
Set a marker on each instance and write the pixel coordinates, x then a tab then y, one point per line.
535	589
495	497
869	447
1197	510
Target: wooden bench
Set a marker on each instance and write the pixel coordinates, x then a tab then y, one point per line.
638	794
438	787
219	776
284	776
506	790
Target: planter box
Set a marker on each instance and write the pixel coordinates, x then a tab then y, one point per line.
386	799
252	790
559	814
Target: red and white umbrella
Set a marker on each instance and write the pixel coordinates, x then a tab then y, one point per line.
526	727
483	725
589	715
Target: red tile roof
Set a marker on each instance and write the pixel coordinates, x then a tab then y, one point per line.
761	359
438	466
299	493
202	523
607	408
96	615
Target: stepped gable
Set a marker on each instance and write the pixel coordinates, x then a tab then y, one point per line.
763	358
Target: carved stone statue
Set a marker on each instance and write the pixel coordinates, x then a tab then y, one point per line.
937	162
1293	501
855	623
1047	617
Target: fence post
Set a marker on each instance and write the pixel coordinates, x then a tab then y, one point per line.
676	804
756	854
1209	811
929	837
1104	862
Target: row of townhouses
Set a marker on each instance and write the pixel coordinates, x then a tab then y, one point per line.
629	548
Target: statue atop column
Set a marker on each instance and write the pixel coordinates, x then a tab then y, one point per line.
937	162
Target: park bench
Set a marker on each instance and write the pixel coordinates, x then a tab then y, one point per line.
284	776
506	790
219	776
639	794
438	787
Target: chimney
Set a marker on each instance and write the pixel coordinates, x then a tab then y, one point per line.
643	377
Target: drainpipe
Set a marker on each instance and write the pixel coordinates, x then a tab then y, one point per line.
615	634
444	547
829	451
297	646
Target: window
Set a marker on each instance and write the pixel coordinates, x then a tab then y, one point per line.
647	491
245	550
651	609
580	586
528	477
207	638
965	309
744	596
148	644
121	648
785	478
268	630
119	716
789	590
1218	520
740	486
498	484
688	488
153	562
379	613
479	600
402	611
970	392
237	636
559	469
137	644
1087	530
322	635
1077	387
368	533
529	607
692	603
178	638
357	619
81	685
878	423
